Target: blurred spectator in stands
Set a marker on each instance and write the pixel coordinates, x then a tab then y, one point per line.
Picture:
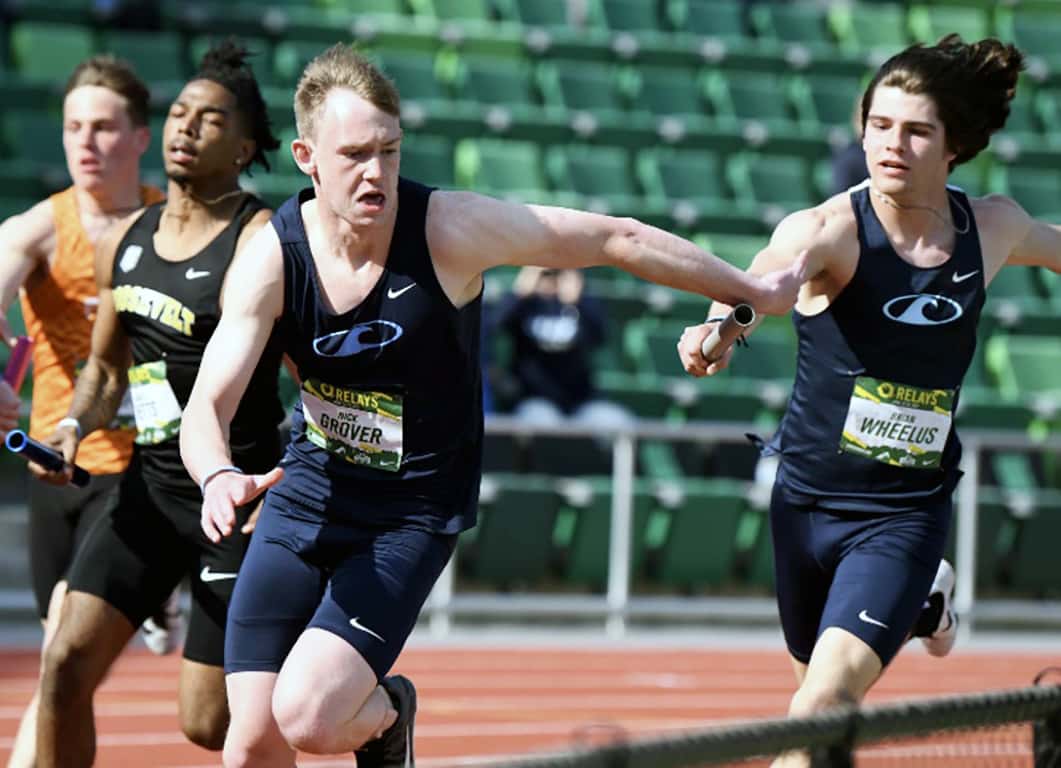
554	328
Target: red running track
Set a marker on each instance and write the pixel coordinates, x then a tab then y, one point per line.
482	702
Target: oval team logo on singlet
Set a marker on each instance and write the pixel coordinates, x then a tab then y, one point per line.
922	309
371	335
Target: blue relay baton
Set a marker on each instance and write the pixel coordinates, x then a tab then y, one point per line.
28	448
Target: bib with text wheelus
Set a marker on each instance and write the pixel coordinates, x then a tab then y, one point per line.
155	407
897	424
362	427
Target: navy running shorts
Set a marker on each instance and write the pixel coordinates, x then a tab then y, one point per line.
867	573
365	583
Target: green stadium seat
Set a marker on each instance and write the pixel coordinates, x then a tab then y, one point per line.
499	166
682	175
996	532
708	18
1026	365
973	176
395	8
583	86
414	74
1034	563
748	96
495	80
429	160
59	11
1038	190
651	344
290	58
928	23
669	91
156	56
780	180
726	399
983	407
865	27
791	23
700	548
586	561
644	396
1035	29
453	10
513	545
629	15
538	13
49	51
568	456
1023	110
738	250
771	354
600	173
758	566
831	99
34	135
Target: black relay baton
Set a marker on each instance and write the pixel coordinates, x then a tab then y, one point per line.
28	448
726	331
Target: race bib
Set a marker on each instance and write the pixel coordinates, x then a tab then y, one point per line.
361	427
155	407
897	424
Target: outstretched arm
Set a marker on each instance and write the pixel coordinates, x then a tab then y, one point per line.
24	242
469	233
252	301
805	237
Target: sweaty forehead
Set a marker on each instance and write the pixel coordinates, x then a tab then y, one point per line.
896	104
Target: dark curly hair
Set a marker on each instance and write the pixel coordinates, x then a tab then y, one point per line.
971	84
226	64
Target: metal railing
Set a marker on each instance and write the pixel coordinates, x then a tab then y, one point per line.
617	605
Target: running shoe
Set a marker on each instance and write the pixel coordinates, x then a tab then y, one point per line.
394	749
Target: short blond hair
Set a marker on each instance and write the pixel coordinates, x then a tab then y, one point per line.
341	67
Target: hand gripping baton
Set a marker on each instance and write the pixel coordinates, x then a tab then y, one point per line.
28	448
18	363
727	331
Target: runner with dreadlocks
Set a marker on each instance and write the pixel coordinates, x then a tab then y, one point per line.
160	274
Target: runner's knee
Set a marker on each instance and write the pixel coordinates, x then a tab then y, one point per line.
817	697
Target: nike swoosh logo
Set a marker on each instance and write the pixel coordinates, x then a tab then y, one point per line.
393	294
870	620
207	575
195	274
356	624
961	278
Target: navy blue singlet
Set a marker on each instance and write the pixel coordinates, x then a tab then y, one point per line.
391	391
897	330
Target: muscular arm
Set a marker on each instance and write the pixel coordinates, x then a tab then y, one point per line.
816	232
25	242
1010	236
470	233
102	382
252	299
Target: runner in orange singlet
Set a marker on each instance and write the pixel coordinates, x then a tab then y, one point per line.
48	252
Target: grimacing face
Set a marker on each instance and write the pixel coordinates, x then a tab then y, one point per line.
355	156
99	139
203	135
905	142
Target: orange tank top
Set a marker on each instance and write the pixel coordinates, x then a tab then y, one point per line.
59	307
